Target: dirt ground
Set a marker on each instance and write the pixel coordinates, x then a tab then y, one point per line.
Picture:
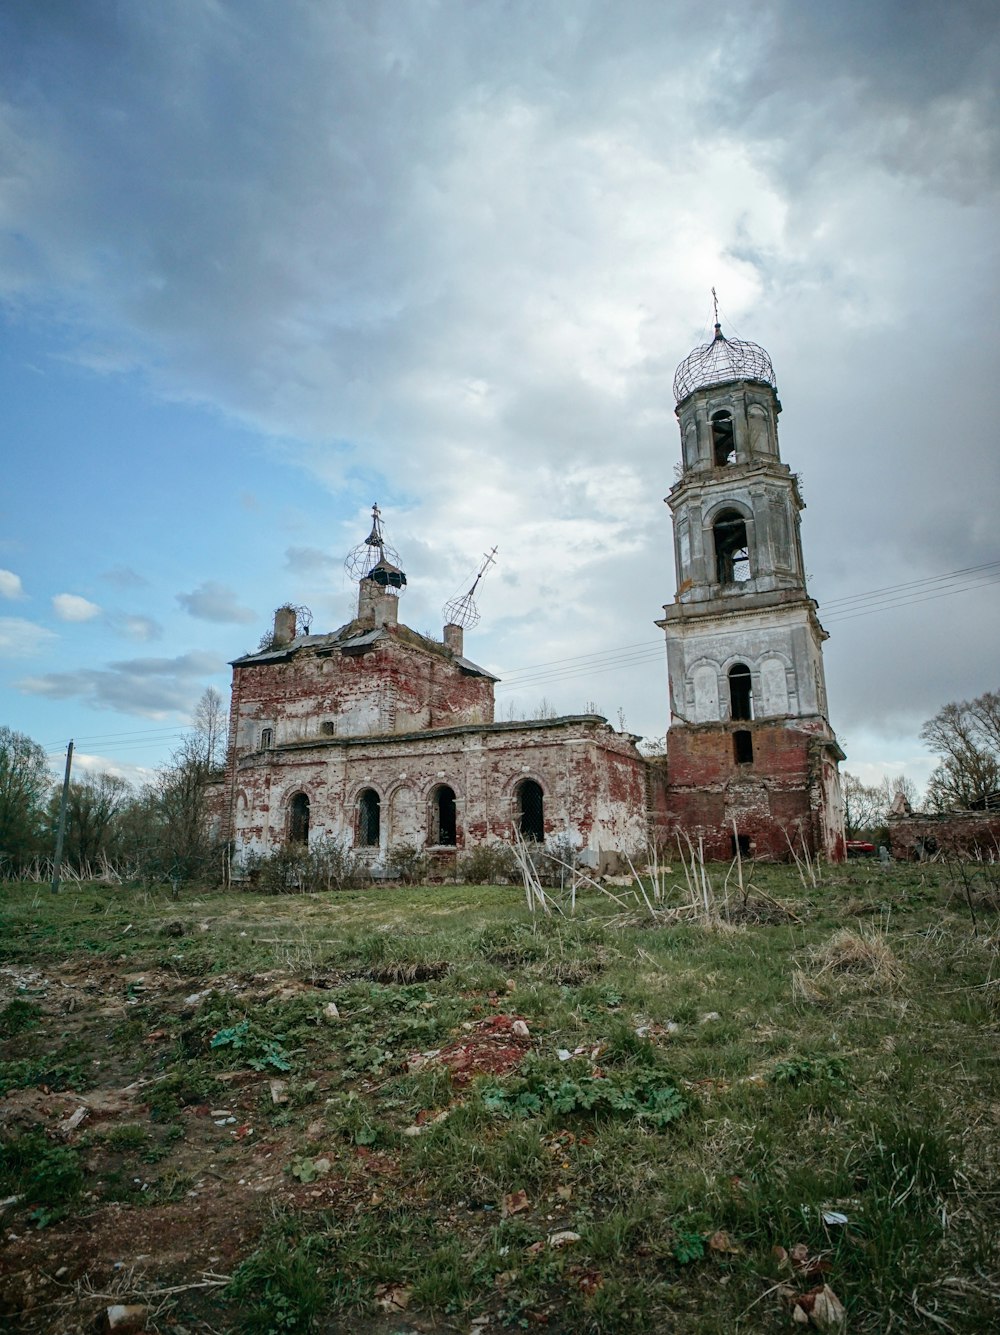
172	1257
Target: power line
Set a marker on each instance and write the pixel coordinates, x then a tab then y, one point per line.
108	736
913	584
845	609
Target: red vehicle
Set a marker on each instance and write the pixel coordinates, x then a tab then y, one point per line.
856	848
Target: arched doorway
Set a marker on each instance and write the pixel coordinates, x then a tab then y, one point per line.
298	819
444	817
732	550
530	809
369	819
740	692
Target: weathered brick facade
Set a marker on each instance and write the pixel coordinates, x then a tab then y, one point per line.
965	834
788	792
376	736
751	756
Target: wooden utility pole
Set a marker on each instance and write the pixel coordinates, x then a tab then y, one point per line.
61	832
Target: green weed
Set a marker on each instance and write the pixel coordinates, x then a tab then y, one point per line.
19	1016
48	1176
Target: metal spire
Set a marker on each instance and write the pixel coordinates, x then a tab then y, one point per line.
462	611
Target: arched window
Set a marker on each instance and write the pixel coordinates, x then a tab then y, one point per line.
298	819
444	826
732	552
369	818
740	692
530	809
723	441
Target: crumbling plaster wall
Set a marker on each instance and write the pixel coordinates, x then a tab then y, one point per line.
320	690
769	642
592	779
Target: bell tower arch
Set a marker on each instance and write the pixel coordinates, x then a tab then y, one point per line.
743	637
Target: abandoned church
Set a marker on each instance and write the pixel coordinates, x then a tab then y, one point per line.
377	736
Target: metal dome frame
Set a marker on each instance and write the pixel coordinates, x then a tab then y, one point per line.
721	362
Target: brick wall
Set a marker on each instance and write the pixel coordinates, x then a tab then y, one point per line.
960	833
789	789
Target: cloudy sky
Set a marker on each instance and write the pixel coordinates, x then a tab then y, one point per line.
262	264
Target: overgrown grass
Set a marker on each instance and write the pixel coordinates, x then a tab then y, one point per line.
704	1119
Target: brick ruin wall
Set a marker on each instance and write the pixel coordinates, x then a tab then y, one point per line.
403	719
592	780
390	688
789	792
966	834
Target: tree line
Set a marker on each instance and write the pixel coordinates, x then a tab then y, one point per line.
164	831
159	831
965	737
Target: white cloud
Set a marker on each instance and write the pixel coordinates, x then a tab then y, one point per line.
10	586
23	639
212	601
135	627
137	775
71	607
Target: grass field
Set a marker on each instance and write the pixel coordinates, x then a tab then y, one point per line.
424	1109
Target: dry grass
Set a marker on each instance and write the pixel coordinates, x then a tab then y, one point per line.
856	962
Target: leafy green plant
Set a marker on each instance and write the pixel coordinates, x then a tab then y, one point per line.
18	1016
647	1094
262	1052
688	1247
45	1174
797	1071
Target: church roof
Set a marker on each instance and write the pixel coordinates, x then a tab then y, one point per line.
347	640
721	362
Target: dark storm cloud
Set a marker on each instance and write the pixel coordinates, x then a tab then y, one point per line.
465	245
149	687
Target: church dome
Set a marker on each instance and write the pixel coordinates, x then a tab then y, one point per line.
720	362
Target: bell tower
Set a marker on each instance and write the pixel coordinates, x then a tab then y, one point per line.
751	757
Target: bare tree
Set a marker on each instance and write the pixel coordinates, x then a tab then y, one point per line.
211	727
169	831
965	735
865	805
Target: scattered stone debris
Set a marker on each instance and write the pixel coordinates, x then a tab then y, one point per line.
123	1319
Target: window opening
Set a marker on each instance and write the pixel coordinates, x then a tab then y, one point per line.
266	738
444	821
531	809
723	440
741	843
740	691
298	821
743	747
369	818
732	551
